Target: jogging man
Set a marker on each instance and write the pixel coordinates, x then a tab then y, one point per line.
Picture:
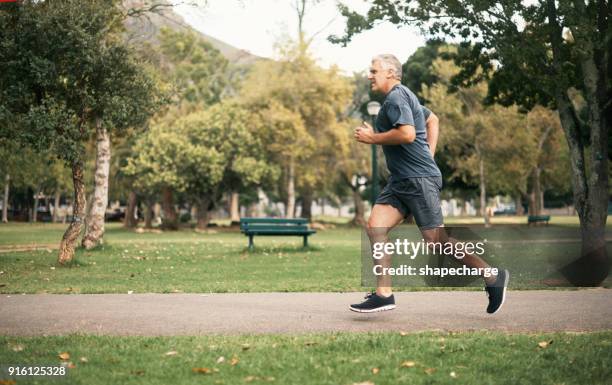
415	182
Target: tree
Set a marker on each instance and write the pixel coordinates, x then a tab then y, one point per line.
65	72
534	53
303	102
126	83
197	70
199	155
228	127
419	68
550	166
485	145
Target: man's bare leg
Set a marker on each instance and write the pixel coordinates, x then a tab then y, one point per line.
439	235
382	219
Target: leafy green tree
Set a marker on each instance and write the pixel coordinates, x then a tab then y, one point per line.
66	73
534	53
303	102
419	68
196	76
201	155
197	70
484	144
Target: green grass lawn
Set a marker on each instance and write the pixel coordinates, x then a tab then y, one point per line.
188	261
343	358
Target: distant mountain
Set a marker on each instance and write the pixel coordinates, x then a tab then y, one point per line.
146	27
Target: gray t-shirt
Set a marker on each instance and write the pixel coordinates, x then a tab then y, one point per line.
408	160
426	113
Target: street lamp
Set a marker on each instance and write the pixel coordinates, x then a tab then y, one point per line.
373	108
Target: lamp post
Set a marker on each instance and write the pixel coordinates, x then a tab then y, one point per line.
373	108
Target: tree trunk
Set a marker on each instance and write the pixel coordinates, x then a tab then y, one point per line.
35	210
148	214
130	219
535	206
290	207
322	204
235	208
88	200
483	193
590	195
359	217
5	198
56	203
66	249
170	220
307	205
518	202
203	214
95	219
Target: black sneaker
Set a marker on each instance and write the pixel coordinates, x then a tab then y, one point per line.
497	291
374	303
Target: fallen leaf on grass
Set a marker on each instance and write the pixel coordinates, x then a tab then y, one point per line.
64	356
220	360
403	334
364	383
453	374
544	344
7	382
138	372
246	346
408	364
234	361
430	370
204	370
17	347
375	370
256	378
171	353
83	359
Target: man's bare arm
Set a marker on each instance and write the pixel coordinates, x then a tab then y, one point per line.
433	131
400	135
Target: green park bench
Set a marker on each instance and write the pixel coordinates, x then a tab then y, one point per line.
275	226
534	219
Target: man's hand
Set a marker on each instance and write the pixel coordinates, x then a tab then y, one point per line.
365	133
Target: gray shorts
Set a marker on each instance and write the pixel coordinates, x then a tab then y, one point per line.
417	196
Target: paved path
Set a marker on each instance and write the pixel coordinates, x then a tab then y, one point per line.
196	314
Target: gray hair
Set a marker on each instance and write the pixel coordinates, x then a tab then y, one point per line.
388	61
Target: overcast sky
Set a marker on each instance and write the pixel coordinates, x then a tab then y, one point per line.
255	26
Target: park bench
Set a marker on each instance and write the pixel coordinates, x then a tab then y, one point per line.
534	219
275	227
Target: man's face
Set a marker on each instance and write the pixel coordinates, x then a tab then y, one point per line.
379	77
